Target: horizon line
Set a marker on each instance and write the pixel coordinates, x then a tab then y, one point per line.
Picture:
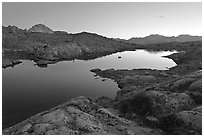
104	35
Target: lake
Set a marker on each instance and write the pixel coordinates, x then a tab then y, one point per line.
28	89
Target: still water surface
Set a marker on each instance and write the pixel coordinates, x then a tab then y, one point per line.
29	89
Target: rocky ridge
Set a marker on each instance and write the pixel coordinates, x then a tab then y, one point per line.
40	28
41	43
170	103
155	38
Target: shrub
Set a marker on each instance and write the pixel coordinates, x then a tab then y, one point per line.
140	104
196	96
124	106
169	123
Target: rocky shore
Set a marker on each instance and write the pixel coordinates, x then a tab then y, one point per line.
170	100
149	102
44	46
171	106
9	63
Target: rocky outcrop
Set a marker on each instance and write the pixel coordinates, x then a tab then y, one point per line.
181	84
104	101
78	116
196	86
183	123
10	63
40	28
191	119
195	91
159	99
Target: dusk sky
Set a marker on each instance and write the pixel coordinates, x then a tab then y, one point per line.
113	20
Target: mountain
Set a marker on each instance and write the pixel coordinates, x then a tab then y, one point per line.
50	45
40	28
155	38
184	38
57	45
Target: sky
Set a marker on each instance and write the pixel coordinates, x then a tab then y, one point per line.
114	20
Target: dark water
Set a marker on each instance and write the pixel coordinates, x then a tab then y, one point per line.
29	89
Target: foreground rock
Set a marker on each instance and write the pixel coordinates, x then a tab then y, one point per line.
159	99
9	63
183	123
78	116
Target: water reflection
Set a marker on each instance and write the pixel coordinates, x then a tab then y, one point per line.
29	89
132	59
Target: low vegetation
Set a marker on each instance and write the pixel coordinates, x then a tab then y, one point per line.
140	104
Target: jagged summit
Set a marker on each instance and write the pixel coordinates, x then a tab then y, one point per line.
40	28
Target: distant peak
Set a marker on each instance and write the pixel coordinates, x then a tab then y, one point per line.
156	38
40	28
155	35
39	25
184	35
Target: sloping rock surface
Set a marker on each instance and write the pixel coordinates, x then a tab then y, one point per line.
78	116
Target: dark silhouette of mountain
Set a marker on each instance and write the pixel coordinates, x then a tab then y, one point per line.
155	38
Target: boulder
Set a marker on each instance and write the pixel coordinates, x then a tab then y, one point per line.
25	128
103	101
181	84
178	102
196	86
191	120
195	91
84	121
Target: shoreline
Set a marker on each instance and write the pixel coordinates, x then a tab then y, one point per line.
132	83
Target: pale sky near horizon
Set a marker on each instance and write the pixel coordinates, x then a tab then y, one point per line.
113	20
